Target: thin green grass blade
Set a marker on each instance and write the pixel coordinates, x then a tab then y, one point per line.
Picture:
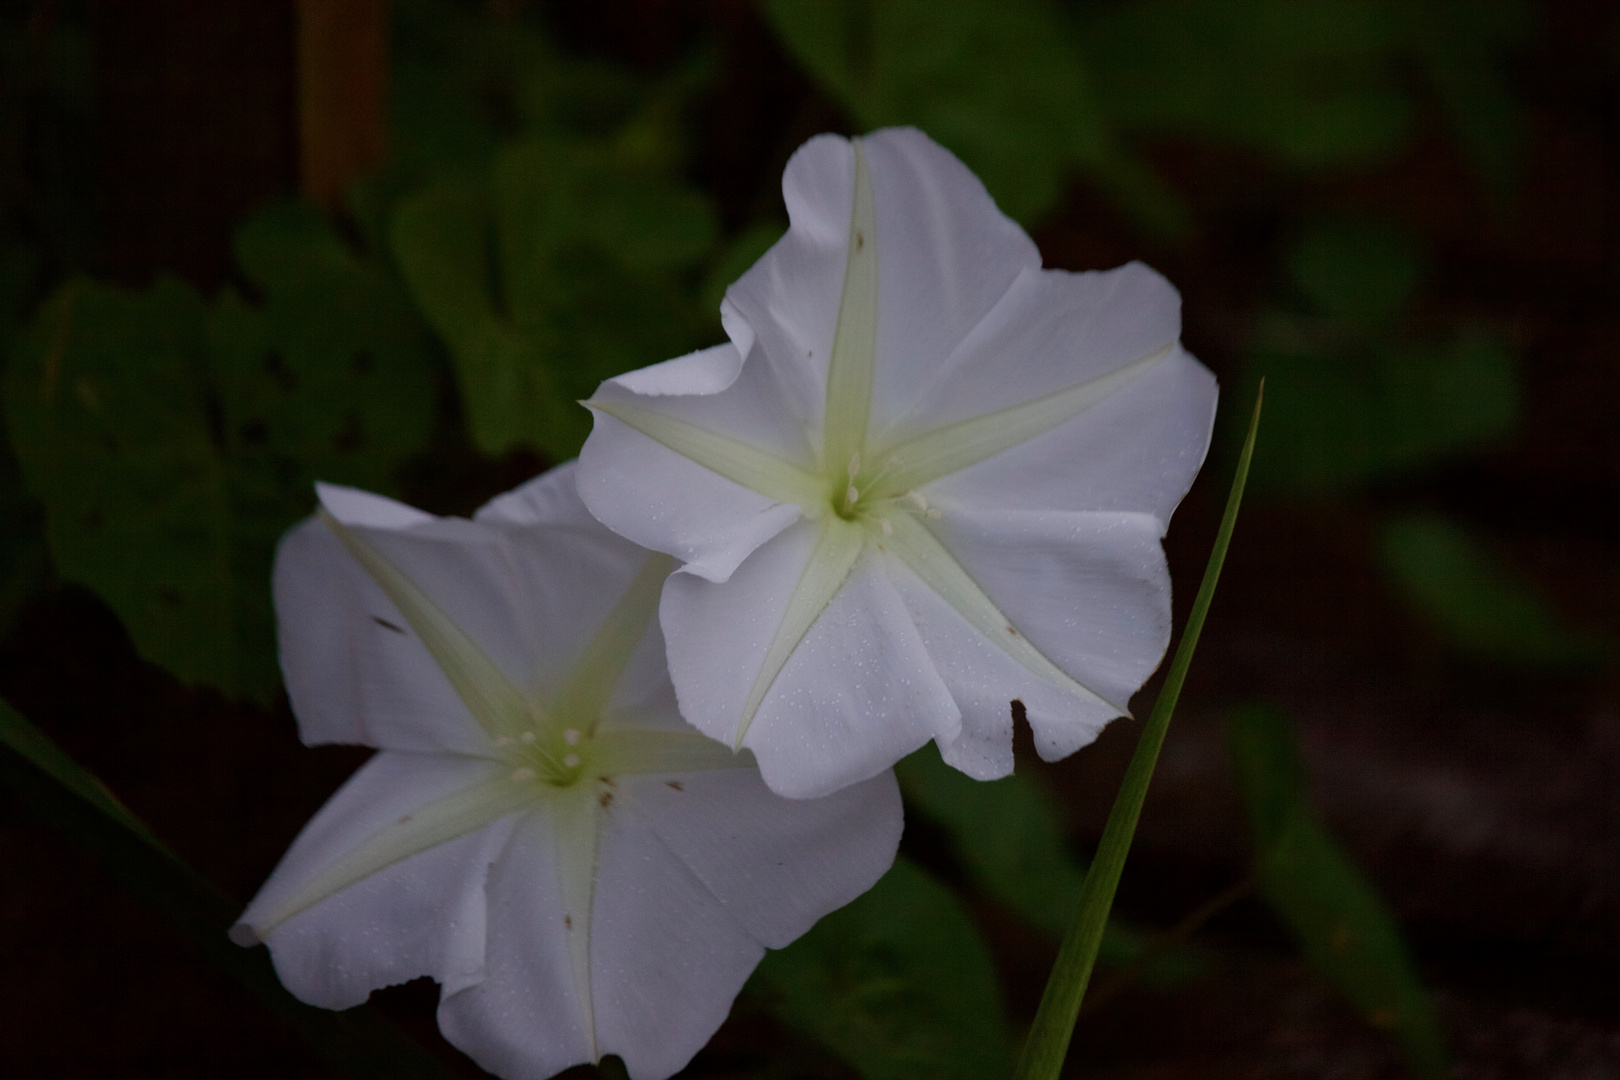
1048	1042
50	759
358	1042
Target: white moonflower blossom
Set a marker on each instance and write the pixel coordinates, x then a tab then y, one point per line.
921	489
540	832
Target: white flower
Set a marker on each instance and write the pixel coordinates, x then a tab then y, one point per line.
582	872
924	482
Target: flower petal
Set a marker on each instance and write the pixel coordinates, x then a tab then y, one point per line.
1090	591
838	545
523	1020
934	564
355	672
638	752
1049	330
743	464
789	299
498	706
776	864
667	958
575	824
855	695
663	500
946	255
851	366
593	596
420	915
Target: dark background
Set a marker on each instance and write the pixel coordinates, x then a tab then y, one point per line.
1480	795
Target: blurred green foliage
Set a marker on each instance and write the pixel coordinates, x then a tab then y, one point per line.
1315	888
1476	602
1353	395
1003	84
172	441
898	984
536	230
1008	834
1011	838
1031	92
537	209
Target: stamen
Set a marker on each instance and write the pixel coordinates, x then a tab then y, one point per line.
917	500
522	774
571	736
527	738
851	495
933	515
570	761
854	465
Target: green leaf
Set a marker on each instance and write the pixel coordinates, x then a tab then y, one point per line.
1478	604
1002	84
109	413
172	445
333	372
1311	84
1341	418
559	271
1356	268
357	1042
898	984
1008	834
1048	1041
1332	910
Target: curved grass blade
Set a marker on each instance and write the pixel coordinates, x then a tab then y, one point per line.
1048	1041
357	1042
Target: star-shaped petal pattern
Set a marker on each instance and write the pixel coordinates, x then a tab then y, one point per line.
921	488
540	832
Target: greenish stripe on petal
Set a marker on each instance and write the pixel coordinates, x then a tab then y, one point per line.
737	461
632	753
921	550
596	674
494	702
854	348
949	449
837	548
436	823
576	820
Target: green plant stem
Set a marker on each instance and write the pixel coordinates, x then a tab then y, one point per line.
1048	1041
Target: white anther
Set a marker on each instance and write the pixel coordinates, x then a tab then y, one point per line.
571	736
888	529
522	774
933	515
527	738
570	760
916	498
851	495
